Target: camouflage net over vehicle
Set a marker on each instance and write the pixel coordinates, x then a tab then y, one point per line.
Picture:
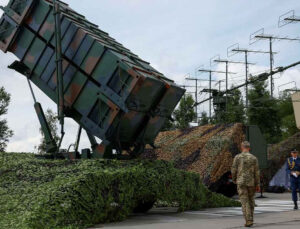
207	150
278	154
38	193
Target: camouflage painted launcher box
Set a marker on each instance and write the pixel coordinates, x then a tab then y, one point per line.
108	90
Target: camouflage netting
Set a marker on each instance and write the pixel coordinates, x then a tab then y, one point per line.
278	153
208	150
39	193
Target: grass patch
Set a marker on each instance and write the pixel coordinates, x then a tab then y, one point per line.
37	193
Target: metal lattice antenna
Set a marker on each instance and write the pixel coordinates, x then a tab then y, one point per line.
196	80
226	62
261	77
235	49
219	83
203	70
189	78
260	35
283	85
288	18
188	86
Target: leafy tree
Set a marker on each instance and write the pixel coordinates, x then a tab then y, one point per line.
5	132
235	108
169	125
286	113
185	112
219	107
53	126
204	119
235	111
263	111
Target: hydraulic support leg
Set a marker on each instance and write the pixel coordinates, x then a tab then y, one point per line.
51	146
100	150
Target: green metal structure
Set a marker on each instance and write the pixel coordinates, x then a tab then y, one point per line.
259	146
110	92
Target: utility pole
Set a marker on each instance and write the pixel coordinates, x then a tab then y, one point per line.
260	35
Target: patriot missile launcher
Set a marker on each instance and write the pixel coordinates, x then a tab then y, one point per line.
109	91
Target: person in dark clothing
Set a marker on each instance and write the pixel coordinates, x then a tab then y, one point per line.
293	169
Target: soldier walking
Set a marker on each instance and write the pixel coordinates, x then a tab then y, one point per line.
245	173
293	169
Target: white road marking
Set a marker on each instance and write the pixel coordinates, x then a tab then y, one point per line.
207	213
265	206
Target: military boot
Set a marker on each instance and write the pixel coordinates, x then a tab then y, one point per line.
296	205
249	224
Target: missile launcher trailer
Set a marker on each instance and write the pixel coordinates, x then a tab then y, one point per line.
110	92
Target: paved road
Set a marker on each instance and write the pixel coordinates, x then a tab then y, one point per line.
272	212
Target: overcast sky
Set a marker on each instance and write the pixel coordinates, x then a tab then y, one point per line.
176	37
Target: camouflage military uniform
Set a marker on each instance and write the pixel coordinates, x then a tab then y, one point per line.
245	173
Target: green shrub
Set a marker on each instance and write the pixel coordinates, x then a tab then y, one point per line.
37	193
